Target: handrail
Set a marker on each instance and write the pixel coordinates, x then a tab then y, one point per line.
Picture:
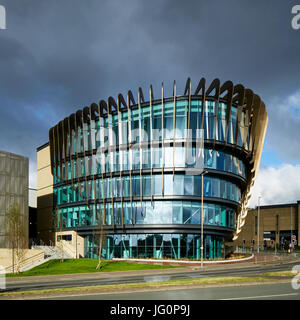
25	262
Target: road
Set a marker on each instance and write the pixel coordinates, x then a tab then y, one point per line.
61	281
281	291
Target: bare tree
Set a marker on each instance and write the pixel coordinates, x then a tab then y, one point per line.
17	237
102	230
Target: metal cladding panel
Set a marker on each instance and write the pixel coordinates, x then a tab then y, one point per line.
251	121
14	172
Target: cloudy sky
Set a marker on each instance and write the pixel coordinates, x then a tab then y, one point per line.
58	56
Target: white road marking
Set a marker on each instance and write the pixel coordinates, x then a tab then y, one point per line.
269	296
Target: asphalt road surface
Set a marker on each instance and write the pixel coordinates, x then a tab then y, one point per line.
281	291
15	284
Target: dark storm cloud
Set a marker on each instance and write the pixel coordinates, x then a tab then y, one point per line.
58	56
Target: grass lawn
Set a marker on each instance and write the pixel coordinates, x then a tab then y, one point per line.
70	266
281	273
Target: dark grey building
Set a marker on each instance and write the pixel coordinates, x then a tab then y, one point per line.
13	189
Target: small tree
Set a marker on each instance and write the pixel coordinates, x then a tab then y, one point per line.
57	226
102	229
16	234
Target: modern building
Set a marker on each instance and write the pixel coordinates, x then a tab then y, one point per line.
13	190
269	225
122	163
32	216
44	219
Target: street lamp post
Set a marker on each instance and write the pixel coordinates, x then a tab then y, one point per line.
291	231
77	223
76	239
258	209
202	174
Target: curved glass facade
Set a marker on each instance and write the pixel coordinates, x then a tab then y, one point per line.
170	246
127	165
147	213
92	165
145	186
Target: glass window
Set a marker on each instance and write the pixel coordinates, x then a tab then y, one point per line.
146	158
166	212
136	184
157	132
145	123
168	184
179	157
215	187
180	125
139	214
168	127
223	189
149	219
223	216
157	157
207	186
217	215
220	160
178	184
228	190
188	185
177	212
195	213
211	217
141	239
127	212
157	183
186	212
210	159
168	157
146	186
228	163
198	186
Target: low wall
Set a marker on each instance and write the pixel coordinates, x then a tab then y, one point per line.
184	262
70	246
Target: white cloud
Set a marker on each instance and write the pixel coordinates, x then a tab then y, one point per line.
294	100
277	185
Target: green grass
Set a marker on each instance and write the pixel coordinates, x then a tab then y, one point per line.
281	273
70	266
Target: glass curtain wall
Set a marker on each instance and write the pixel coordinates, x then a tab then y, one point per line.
159	246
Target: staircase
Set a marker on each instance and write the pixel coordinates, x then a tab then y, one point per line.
27	263
53	252
50	253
